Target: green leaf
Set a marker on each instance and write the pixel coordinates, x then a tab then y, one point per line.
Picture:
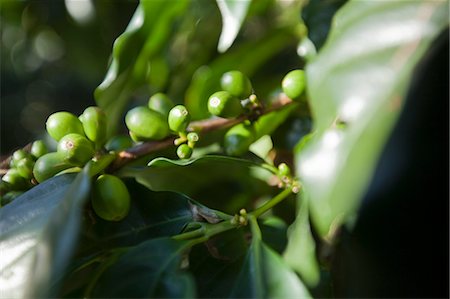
143	41
150	270
360	78
216	263
265	275
188	176
152	215
300	253
233	15
38	231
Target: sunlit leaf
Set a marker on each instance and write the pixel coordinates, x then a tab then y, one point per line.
38	231
233	14
360	78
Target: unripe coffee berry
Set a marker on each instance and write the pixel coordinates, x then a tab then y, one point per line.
17	156
161	103
110	198
119	143
293	84
237	84
184	151
223	104
179	118
15	180
25	168
146	124
60	124
284	170
38	149
76	149
48	165
238	139
94	124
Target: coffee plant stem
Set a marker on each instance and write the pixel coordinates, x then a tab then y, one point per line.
271	203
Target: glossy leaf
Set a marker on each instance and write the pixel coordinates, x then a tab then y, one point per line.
150	270
360	78
233	15
143	40
188	176
38	231
265	275
300	253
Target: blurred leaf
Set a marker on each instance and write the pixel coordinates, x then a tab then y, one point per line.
152	215
143	40
188	176
38	231
265	275
268	123
233	15
300	253
360	78
150	270
273	230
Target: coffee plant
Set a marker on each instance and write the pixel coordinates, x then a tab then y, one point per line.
236	149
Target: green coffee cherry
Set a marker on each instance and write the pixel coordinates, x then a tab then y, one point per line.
237	84
179	118
184	151
38	149
192	137
17	156
60	124
15	180
25	168
94	124
146	124
161	103
110	200
238	139
9	197
284	170
119	143
223	104
48	165
293	84
76	149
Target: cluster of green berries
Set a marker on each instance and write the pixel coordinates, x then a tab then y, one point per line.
19	176
158	120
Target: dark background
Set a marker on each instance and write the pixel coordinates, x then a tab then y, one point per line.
52	61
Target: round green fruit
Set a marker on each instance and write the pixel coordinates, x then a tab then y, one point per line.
184	151
76	149
38	149
48	165
238	139
293	84
94	124
60	124
284	170
237	84
15	180
146	124
119	143
110	199
223	104
179	118
161	103
17	156
25	168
